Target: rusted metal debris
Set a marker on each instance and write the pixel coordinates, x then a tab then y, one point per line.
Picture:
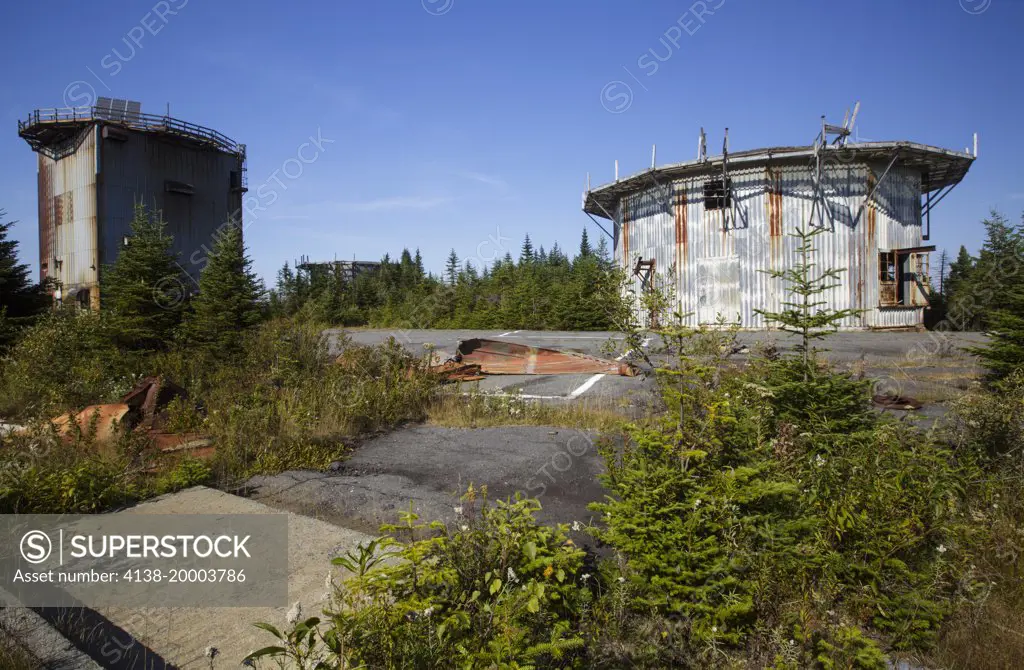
453	371
143	409
896	402
502	357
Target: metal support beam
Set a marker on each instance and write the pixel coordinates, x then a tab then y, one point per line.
611	218
878	182
598	224
935	201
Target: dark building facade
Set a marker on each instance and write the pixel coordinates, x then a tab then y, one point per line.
97	163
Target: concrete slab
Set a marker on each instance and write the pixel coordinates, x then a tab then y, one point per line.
48	648
181	635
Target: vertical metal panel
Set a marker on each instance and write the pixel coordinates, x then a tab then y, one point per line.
722	261
67	218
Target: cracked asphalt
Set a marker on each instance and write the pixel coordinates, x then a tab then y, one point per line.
429	467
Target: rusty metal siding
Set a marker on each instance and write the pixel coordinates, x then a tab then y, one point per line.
138	168
68	218
721	262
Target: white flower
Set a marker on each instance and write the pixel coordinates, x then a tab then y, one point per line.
941	549
427	612
293	615
714	629
458	509
463	528
576	525
585	576
819	460
512	575
696	503
622	579
792	642
328	581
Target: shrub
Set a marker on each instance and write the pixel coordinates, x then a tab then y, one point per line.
498	591
67	360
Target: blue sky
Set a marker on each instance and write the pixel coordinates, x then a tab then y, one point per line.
468	123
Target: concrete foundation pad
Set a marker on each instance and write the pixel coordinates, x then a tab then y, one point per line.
182	635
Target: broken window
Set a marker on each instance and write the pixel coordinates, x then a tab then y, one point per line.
903	279
717	194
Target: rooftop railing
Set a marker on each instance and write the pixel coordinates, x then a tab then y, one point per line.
135	120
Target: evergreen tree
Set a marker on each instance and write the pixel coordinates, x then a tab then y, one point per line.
999	266
20	300
585	249
144	290
526	254
451	268
805	312
228	304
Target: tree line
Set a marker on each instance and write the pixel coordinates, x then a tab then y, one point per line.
541	289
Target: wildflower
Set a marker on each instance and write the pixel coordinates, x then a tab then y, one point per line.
696	503
463	528
577	526
714	629
548	571
585	576
458	509
328	582
941	549
293	615
427	612
819	460
621	579
211	652
512	575
792	642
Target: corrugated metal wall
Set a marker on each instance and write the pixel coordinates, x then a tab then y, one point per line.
138	168
67	218
717	261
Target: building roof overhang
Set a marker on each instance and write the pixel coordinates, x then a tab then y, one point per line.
940	168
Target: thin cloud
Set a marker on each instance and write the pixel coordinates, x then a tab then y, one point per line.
394	203
480	177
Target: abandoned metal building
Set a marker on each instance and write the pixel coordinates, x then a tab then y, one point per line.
710	231
349	270
96	163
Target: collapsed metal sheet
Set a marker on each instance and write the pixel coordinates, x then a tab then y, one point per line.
502	357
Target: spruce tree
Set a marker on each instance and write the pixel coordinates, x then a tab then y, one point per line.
999	266
805	312
144	290
585	249
451	269
804	394
228	304
20	300
526	254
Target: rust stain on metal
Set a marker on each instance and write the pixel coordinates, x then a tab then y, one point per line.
681	218
107	420
501	357
453	371
775	203
142	410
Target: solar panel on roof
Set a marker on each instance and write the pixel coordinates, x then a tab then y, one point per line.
116	109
